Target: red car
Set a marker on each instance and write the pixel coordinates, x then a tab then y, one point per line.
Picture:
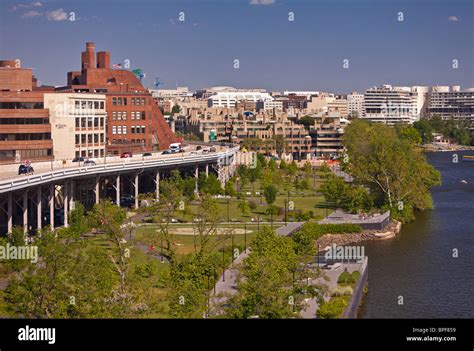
126	155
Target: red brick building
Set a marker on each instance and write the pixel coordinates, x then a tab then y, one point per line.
25	129
134	121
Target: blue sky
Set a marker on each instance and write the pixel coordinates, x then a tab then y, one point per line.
274	53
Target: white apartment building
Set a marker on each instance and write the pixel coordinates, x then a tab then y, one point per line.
78	124
179	92
391	105
451	103
355	105
230	99
270	105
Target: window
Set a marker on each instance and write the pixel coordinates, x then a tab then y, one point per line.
101	121
96	105
89	105
89	122
119	101
101	105
125	101
143	115
119	129
77	138
119	115
77	104
132	114
114	130
114	116
96	121
78	122
101	138
114	101
124	129
89	138
96	138
133	102
83	138
132	129
124	115
143	129
143	101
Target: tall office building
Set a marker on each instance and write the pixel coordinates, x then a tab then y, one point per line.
355	105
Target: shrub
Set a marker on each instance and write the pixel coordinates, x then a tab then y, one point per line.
333	308
252	205
344	278
342	291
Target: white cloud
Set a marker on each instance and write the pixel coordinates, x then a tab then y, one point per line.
262	2
31	14
453	18
57	15
27	6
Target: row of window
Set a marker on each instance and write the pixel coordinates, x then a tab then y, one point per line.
122	115
26	154
132	141
90	153
25	136
24	120
21	105
83	104
122	101
133	129
89	122
89	138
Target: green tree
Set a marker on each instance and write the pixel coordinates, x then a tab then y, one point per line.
270	192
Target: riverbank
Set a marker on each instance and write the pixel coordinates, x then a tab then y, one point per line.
392	230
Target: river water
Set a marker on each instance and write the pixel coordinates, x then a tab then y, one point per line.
419	265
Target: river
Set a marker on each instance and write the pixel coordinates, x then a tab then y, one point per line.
418	265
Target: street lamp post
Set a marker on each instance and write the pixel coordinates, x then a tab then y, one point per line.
223	263
245	236
228	209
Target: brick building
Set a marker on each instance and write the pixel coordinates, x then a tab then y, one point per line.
134	121
25	130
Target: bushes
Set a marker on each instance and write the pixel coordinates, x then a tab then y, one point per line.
333	308
347	279
342	291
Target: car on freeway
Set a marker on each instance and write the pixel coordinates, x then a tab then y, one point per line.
89	163
166	152
199	147
126	155
78	159
212	149
25	169
145	154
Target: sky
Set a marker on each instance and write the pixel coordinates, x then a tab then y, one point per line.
274	53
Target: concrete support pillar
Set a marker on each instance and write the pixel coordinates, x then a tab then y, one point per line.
97	189
136	190
196	175
117	190
157	183
52	191
39	218
25	212
65	203
10	213
71	195
207	170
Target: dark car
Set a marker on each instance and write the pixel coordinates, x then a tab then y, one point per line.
89	163
127	201
199	147
146	154
78	159
166	152
25	169
126	155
